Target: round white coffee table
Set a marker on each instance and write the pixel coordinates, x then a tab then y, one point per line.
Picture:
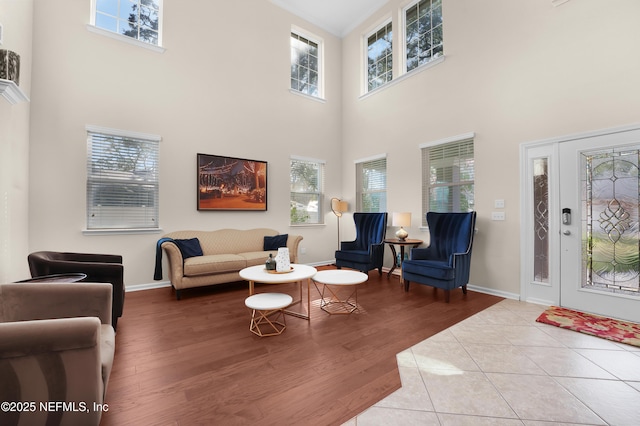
331	280
299	273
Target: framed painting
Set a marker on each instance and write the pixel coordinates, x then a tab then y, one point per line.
229	183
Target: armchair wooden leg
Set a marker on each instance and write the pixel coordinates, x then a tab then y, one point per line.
406	285
464	289
447	295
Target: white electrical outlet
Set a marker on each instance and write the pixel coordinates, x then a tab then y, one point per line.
498	204
497	216
303	250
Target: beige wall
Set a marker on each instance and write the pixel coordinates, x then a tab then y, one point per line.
221	87
16	19
514	72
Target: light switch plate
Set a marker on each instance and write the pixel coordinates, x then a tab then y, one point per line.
498	204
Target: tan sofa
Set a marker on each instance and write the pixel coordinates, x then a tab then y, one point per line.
56	346
225	253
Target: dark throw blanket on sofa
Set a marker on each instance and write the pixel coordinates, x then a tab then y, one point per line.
157	275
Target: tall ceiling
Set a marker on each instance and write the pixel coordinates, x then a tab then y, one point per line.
338	17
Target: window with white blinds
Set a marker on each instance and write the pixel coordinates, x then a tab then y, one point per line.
448	177
122	180
371	180
307	186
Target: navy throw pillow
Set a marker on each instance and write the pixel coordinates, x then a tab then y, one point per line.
275	242
189	248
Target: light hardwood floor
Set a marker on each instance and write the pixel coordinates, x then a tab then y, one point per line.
194	361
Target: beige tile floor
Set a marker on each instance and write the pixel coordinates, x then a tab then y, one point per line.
500	367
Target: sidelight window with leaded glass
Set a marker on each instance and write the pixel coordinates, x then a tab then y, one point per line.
541	220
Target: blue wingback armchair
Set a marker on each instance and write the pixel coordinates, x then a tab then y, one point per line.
446	262
366	252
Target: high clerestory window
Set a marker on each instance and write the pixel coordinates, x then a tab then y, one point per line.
306	64
423	33
379	57
137	19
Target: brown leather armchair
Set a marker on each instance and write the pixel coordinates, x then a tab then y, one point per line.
100	268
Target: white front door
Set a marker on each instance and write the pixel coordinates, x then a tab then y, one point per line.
598	216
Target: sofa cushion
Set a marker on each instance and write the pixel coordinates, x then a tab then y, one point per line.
429	268
213	264
189	247
275	242
254	258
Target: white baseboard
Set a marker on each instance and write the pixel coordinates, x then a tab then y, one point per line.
148	286
494	292
541	302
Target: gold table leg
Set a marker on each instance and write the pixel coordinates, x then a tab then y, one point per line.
295	302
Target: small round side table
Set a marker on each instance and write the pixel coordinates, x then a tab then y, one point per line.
393	242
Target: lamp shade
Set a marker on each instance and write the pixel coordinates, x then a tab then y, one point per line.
401	219
338	206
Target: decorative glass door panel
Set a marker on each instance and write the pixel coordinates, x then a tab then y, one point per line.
610	230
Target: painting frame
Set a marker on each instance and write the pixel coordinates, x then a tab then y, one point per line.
230	183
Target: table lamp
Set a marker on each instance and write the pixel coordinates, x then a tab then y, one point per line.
401	220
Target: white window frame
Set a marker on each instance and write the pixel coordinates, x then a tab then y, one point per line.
124	224
365	50
361	191
319	193
426	173
403	37
123	38
320	43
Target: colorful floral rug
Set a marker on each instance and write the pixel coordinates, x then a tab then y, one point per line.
606	328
